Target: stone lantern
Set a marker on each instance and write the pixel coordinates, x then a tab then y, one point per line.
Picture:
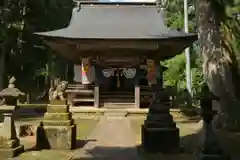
9	143
211	149
159	131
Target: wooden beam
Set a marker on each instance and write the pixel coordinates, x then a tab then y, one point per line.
74	49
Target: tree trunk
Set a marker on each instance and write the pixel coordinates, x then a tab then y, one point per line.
2	67
218	68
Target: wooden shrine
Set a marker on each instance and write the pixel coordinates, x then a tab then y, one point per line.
118	47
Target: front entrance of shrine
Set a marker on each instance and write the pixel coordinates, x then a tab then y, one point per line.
120	79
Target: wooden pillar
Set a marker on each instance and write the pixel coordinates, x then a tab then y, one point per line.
96	96
96	89
137	96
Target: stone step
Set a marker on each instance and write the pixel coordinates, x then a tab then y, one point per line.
117	100
57	116
83	100
80	91
116	96
117	93
80	86
119	105
116	113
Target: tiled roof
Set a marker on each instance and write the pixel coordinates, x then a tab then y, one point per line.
95	20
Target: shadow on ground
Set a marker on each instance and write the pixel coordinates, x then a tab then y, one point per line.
107	153
188	151
32	153
190	147
79	144
28	114
82	143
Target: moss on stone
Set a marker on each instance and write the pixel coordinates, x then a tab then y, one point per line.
58	116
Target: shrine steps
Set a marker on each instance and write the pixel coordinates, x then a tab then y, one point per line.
118	105
80	91
117	100
81	86
81	94
83	100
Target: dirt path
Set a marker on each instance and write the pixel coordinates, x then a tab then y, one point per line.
112	139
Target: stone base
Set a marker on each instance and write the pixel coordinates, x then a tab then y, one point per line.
164	140
57	116
58	123
58	109
58	102
6	153
56	137
9	143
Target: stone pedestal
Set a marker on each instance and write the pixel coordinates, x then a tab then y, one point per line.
9	143
57	130
159	131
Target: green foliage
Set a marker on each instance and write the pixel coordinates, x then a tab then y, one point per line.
27	58
175	75
174	14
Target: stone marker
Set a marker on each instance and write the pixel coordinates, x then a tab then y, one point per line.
57	130
159	131
9	143
211	149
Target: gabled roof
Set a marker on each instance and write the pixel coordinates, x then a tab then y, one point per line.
101	20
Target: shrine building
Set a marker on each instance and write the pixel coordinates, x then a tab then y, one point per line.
116	48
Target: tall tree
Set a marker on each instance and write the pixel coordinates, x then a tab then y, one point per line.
10	17
217	34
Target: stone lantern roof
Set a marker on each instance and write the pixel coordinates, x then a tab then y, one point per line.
11	91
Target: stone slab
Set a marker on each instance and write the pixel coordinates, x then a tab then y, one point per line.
163	140
56	137
58	116
6	143
45	155
58	123
58	102
58	109
7	108
6	153
112	139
